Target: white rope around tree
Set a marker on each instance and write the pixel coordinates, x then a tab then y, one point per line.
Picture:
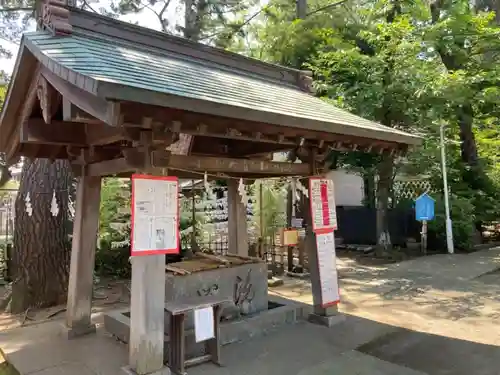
54	207
304	190
27	202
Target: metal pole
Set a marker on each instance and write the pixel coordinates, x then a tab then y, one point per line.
449	228
261	213
424	237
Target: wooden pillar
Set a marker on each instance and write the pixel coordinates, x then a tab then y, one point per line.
324	316
85	230
237	220
147	316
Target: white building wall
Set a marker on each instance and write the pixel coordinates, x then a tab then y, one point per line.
349	190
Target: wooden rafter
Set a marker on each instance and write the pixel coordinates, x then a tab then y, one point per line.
24	114
49	99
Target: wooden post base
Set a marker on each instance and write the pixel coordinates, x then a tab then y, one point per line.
164	371
78	331
326	320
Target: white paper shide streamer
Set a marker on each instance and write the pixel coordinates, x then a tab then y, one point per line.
27	202
54	207
304	190
71	208
206	184
243	193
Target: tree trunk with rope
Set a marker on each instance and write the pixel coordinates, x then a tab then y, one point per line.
384	185
42	244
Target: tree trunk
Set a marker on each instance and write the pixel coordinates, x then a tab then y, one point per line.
41	254
195	13
468	145
301	9
189	20
369	189
385	175
490	6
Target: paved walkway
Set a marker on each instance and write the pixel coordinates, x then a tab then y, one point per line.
295	350
447	309
436	315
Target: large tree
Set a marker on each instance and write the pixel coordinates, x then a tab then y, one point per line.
214	22
41	243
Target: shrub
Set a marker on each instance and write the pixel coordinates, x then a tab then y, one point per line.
463	219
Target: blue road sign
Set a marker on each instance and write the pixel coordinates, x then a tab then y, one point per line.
424	208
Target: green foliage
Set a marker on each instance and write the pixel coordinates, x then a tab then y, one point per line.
3	91
113	249
15	16
271	210
210	21
413	65
462	217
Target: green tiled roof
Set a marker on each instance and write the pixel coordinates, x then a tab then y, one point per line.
112	60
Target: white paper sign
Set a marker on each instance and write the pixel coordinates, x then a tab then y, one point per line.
327	261
155	215
204	324
322	197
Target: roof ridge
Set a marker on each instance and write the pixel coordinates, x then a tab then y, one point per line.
99	24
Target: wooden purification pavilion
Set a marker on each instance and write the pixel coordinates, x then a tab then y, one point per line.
114	98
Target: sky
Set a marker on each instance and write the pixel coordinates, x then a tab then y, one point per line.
145	18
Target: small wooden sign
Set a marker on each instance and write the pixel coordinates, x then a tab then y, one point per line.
290	237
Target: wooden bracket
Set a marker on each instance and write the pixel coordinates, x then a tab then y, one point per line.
144	156
113	113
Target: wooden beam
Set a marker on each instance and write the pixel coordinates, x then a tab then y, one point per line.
114	115
214	165
67	133
102	134
87	102
109	167
232	133
182	163
72	113
233	148
61	133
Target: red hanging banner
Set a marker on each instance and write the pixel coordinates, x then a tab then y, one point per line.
322	204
